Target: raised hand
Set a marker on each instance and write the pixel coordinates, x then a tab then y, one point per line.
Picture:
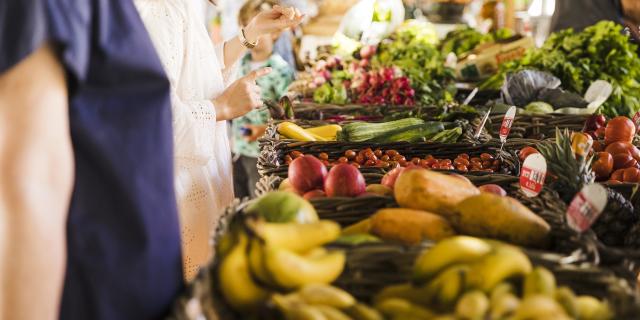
240	97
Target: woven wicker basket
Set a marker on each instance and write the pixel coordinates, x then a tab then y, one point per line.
538	126
371	267
273	151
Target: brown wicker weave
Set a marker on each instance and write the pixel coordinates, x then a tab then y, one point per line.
537	126
271	160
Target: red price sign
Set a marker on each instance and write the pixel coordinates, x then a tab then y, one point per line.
532	175
636	120
507	122
586	207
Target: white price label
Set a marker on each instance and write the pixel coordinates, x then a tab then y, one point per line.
507	122
533	174
586	207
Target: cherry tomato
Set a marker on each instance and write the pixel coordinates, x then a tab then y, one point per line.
350	154
525	152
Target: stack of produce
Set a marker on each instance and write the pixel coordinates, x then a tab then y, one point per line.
391	159
408	130
308	176
437	206
465	39
568	173
600	52
470	278
405	69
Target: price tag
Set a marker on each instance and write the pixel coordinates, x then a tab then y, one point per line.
636	120
586	207
532	175
507	122
581	143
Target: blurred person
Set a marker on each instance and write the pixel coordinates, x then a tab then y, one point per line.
248	128
88	220
579	14
202	100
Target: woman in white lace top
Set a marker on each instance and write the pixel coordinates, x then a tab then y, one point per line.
202	100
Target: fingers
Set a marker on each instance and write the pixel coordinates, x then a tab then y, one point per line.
259	73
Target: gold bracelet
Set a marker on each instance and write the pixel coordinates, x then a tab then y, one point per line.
246	42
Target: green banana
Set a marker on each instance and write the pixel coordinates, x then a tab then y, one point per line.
236	284
290	270
331	313
360	311
568	300
503	263
473	305
297	237
323	294
448	252
539	281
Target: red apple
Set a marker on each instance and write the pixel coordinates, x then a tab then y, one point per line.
390	178
344	180
307	173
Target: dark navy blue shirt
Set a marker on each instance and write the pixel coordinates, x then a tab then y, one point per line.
124	259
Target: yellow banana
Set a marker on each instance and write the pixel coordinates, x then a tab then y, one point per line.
539	281
473	305
328	132
396	308
290	270
448	252
294	131
324	294
500	290
255	255
503	306
297	237
363	226
568	300
304	312
422	295
502	263
236	283
331	313
361	311
539	307
449	285
590	308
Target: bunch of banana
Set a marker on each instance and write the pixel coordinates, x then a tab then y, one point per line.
322	302
471	279
271	257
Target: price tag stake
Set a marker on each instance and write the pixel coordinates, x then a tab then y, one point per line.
505	128
533	174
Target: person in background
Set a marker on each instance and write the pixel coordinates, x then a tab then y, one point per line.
247	129
88	219
203	99
579	14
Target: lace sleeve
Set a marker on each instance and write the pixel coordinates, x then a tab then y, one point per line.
164	21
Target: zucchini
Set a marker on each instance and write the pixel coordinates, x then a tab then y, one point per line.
417	133
363	131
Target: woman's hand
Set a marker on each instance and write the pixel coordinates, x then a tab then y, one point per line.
240	97
257	131
273	21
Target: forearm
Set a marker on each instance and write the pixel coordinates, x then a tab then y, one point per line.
233	51
36	166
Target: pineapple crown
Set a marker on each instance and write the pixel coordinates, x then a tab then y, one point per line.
568	172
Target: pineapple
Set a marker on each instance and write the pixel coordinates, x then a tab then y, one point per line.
571	173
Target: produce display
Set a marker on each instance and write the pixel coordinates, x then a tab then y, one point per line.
470	278
404	69
378	201
600	52
465	39
390	159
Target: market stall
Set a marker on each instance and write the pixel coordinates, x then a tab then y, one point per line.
471	177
